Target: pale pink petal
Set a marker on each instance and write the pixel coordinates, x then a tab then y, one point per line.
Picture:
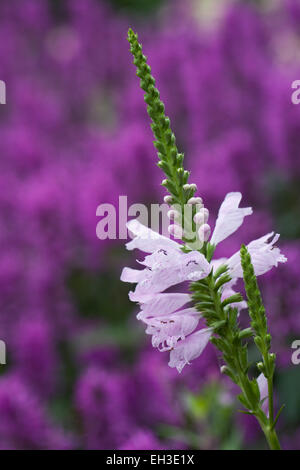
147	240
168	271
132	275
162	304
168	330
230	217
161	258
168	258
194	266
263	255
263	389
189	349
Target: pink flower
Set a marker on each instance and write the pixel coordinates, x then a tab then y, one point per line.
230	217
166	331
264	256
189	349
172	323
172	328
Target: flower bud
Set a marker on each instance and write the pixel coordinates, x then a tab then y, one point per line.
204	232
176	231
193	187
173	215
260	366
201	217
168	199
195	200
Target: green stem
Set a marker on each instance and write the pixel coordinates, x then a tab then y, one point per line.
232	347
267	425
271	436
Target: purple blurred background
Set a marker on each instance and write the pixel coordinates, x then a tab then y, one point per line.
74	133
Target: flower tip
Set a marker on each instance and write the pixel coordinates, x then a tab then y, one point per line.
131	33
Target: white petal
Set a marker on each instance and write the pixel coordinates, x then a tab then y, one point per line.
230	217
263	256
189	349
263	389
163	304
168	330
194	266
147	240
191	311
132	275
171	270
162	258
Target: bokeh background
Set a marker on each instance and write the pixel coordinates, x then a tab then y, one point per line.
74	133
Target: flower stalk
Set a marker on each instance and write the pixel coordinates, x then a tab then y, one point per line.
170	159
262	339
211	286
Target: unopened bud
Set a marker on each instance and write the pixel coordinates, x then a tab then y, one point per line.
188	186
260	366
195	200
204	232
176	231
202	216
168	199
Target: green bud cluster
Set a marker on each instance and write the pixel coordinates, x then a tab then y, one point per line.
262	339
170	159
257	314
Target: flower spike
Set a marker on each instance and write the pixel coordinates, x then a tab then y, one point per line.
173	318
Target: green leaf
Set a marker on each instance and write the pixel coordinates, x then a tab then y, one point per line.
232	299
277	416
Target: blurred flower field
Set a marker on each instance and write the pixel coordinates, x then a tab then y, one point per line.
74	133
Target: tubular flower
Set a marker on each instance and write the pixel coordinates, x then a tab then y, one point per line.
172	328
172	323
263	253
